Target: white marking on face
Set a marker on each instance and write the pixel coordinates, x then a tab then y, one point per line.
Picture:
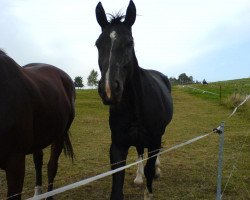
107	86
112	35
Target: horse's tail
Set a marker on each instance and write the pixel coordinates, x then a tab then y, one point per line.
70	90
67	146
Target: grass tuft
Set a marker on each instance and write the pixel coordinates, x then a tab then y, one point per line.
235	100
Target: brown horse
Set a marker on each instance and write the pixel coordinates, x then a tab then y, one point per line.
36	110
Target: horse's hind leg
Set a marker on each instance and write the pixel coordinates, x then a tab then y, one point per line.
56	150
139	173
157	168
149	172
15	169
38	161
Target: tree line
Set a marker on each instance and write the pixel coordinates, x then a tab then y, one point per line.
184	79
92	81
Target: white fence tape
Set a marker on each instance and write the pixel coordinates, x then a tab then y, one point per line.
235	109
203	91
108	173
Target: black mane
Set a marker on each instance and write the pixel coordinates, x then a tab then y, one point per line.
116	18
2	52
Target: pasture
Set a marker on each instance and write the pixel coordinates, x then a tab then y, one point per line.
187	173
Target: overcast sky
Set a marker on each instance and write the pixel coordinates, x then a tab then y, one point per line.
204	38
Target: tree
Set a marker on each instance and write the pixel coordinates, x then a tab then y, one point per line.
191	79
173	81
78	82
204	82
92	78
184	79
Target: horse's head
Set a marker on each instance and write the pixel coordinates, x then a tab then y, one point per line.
115	52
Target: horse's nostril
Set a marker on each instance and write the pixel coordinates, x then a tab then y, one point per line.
117	86
99	83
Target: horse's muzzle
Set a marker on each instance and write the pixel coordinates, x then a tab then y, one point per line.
112	95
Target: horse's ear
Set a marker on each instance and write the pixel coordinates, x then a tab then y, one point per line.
130	14
100	15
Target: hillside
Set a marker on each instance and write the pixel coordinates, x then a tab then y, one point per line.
225	93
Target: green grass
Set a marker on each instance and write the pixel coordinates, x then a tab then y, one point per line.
241	86
226	93
187	173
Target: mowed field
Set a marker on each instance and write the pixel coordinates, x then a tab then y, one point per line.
189	172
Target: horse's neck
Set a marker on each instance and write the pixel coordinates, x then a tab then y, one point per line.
133	84
9	70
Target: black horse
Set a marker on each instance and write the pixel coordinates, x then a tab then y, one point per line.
37	109
140	100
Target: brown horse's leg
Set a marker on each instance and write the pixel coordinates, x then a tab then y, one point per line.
56	149
15	169
38	161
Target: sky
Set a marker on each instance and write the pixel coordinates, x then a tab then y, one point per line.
206	39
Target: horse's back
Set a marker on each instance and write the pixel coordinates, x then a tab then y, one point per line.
46	78
161	79
50	84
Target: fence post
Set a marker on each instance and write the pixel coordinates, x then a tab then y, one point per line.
220	131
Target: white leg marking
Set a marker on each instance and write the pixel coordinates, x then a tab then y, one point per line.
147	195
140	172
157	168
107	82
38	190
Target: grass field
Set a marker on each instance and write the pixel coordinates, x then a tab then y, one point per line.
221	88
187	173
226	93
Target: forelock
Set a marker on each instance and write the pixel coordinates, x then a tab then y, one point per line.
116	18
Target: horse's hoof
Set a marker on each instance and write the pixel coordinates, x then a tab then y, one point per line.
157	173
38	190
138	181
147	195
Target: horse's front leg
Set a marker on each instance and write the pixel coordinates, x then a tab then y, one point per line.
140	171
150	171
15	169
118	157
